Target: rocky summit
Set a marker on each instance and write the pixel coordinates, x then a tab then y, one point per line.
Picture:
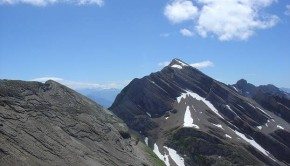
50	124
189	118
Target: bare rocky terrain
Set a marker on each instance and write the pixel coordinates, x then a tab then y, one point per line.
50	124
177	116
189	118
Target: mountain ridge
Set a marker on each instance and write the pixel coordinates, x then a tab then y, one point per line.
50	124
156	106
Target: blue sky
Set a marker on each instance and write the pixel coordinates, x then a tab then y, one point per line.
108	43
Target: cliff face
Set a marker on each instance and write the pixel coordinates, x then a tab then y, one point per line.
50	124
205	121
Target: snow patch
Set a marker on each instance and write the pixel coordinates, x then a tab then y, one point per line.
259	109
188	121
253	143
148	114
152	82
268	121
259	127
183	95
166	118
176	66
232	110
241	106
235	88
229	107
263	111
175	157
228	136
197	97
252	105
280	127
161	156
218	125
146	140
158	86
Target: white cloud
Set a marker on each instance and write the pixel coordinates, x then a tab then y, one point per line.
51	2
203	64
186	32
180	10
287	12
43	79
91	2
163	64
227	19
83	85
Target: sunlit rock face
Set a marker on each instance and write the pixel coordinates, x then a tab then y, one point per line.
50	124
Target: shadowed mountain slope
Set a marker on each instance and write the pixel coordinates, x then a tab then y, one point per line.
188	118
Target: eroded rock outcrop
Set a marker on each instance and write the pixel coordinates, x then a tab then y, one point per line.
50	124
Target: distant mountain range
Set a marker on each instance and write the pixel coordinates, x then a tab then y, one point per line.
104	97
188	118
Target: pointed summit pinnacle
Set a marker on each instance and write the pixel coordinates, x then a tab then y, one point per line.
177	63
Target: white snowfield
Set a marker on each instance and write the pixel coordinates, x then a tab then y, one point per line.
176	66
146	140
235	88
263	111
175	157
179	161
280	127
252	105
161	156
218	125
188	121
259	127
148	114
259	109
268	121
228	136
180	65
253	143
229	108
197	97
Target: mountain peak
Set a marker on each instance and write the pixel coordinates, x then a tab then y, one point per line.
187	106
51	82
242	82
177	63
